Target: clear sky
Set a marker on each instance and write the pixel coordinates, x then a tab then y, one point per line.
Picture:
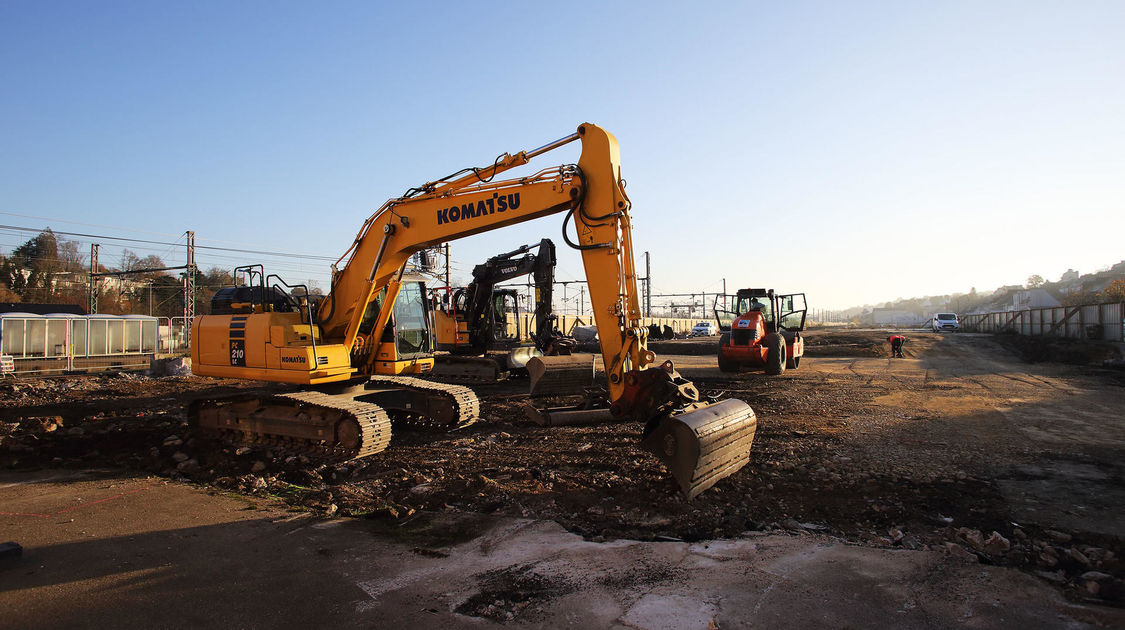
857	151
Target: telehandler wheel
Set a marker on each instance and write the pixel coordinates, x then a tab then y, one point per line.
775	354
726	365
792	364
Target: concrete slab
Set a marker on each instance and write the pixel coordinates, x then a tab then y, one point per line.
104	549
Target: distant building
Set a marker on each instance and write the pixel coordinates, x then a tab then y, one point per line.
895	317
1032	298
935	303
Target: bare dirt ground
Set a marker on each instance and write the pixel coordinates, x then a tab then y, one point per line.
962	448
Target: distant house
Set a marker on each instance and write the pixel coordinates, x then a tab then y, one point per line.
1032	298
895	317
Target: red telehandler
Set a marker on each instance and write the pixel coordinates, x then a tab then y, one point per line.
762	331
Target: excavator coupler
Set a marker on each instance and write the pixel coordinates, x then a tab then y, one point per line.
563	374
702	444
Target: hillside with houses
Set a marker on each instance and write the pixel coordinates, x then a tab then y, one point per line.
51	270
1072	288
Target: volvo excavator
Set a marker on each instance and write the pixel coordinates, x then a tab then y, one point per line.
474	327
353	351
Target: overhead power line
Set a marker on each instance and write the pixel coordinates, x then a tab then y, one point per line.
151	242
179	237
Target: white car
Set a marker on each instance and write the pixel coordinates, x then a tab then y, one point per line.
945	321
704	329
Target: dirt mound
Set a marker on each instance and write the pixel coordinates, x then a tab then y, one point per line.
818	343
1034	349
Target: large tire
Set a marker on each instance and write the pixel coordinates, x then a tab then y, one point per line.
725	364
792	364
775	354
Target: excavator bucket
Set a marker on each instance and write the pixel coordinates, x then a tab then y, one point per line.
564	374
702	446
517	358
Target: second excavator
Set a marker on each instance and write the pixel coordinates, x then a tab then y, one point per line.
353	351
475	323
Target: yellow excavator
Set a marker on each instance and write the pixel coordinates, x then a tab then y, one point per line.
356	348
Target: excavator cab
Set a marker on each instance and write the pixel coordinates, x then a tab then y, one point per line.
503	328
412	335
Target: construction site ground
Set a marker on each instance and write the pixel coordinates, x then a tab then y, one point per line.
960	485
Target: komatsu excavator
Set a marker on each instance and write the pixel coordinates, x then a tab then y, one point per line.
355	348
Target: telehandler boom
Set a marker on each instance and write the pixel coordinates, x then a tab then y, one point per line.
356	345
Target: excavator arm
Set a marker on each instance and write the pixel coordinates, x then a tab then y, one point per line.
548	339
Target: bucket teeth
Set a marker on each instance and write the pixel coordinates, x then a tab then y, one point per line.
702	446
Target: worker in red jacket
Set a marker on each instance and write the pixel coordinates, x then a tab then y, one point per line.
897	342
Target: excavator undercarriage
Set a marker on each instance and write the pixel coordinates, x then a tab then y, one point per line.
339	422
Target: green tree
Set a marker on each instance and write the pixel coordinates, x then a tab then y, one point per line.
36	264
207	283
1035	281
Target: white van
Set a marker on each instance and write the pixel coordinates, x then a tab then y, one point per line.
945	321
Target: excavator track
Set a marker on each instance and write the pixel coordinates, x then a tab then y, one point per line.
463	369
434	405
309	422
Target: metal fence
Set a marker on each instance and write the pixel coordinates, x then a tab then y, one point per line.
566	323
62	343
173	335
1088	321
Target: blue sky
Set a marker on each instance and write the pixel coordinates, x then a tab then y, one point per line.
856	151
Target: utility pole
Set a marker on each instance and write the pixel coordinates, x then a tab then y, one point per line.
648	286
92	298
189	287
581	300
447	264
